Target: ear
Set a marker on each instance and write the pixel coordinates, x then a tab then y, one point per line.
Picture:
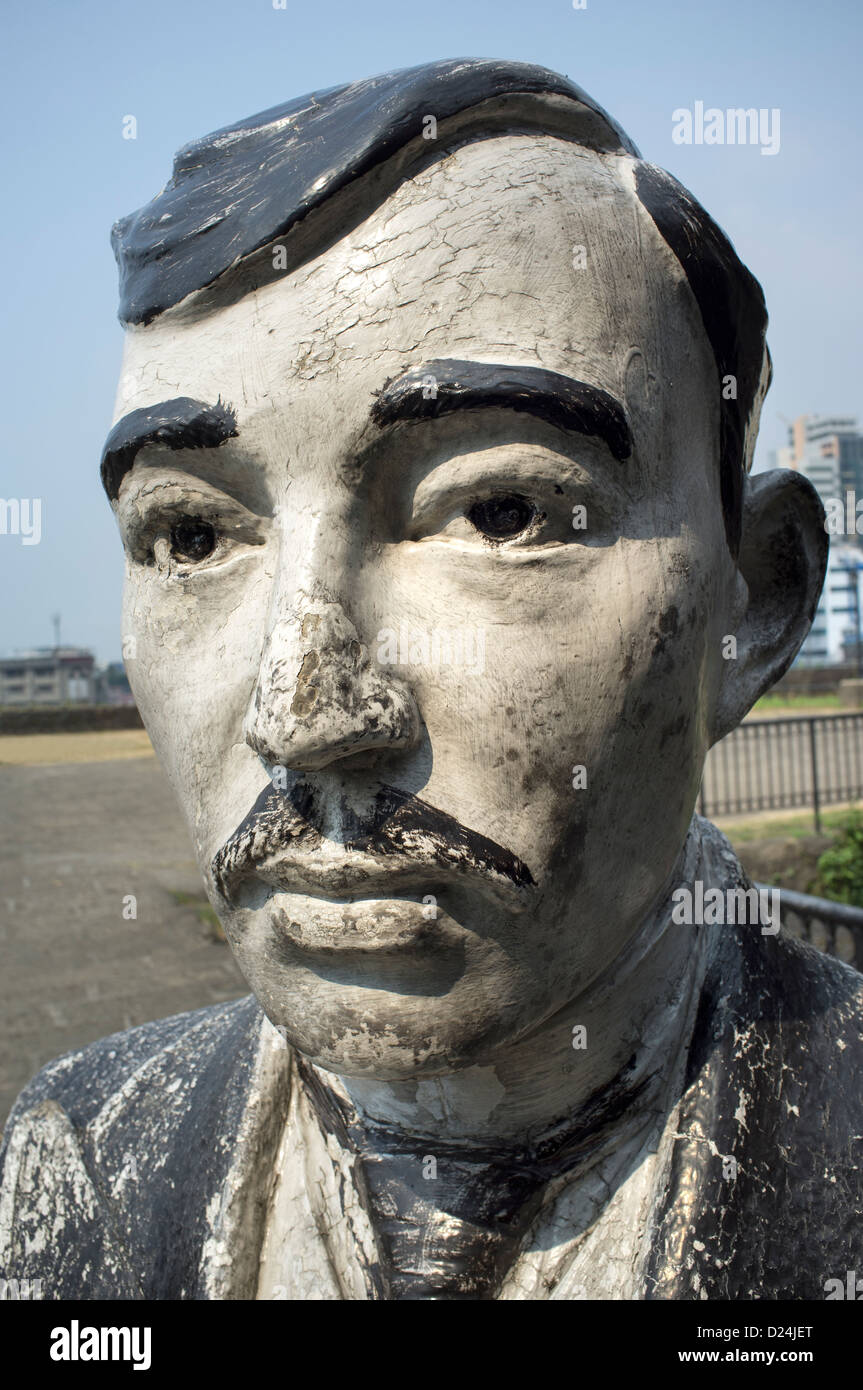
782	561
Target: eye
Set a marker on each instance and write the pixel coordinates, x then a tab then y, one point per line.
192	539
501	517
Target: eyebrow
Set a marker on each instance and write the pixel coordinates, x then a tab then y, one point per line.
422	393
443	386
177	424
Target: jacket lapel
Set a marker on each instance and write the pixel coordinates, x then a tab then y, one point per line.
184	1153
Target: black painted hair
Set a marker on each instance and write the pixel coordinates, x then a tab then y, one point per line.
236	191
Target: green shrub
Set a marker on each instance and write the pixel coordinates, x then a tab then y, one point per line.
840	868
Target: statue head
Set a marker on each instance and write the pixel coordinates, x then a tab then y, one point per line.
444	567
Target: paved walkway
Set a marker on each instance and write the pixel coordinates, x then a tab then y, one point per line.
75	839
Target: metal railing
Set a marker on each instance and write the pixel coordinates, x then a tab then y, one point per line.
774	764
832	927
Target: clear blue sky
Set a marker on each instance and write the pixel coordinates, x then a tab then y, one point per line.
74	68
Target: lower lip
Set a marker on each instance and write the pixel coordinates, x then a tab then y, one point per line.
366	879
370	926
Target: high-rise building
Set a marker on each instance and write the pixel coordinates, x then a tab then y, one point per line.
834	436
833	636
828	449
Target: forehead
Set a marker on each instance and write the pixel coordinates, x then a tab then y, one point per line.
520	248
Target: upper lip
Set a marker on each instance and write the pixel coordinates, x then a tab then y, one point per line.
400	842
361	875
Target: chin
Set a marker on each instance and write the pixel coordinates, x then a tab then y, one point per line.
368	1031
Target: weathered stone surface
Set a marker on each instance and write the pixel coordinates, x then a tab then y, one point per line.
141	1167
485	387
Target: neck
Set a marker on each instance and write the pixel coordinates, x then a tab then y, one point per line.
452	1171
635	1018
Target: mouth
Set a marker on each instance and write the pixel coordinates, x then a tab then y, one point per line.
400	849
368	928
332	877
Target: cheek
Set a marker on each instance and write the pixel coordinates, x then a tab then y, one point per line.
196	650
650	750
615	729
655	669
585	720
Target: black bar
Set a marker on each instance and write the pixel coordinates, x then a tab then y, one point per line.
814	754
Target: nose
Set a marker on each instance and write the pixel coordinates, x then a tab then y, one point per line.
321	696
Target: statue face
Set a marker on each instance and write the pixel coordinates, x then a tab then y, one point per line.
417	606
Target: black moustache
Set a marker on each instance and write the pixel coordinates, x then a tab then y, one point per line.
396	824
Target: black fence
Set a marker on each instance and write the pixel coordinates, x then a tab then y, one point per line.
832	927
771	764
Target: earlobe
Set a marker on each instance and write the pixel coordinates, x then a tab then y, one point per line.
783	558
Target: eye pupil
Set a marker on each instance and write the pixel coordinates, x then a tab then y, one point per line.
499	517
193	539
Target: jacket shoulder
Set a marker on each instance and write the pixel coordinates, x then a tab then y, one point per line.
124	1151
766	1159
83	1081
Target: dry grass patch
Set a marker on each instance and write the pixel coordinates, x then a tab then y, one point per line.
98	746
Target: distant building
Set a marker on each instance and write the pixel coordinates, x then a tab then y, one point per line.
48	676
828	449
832	639
112	685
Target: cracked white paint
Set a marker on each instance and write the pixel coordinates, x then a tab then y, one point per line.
602	649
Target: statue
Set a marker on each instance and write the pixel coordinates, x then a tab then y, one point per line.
444	571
